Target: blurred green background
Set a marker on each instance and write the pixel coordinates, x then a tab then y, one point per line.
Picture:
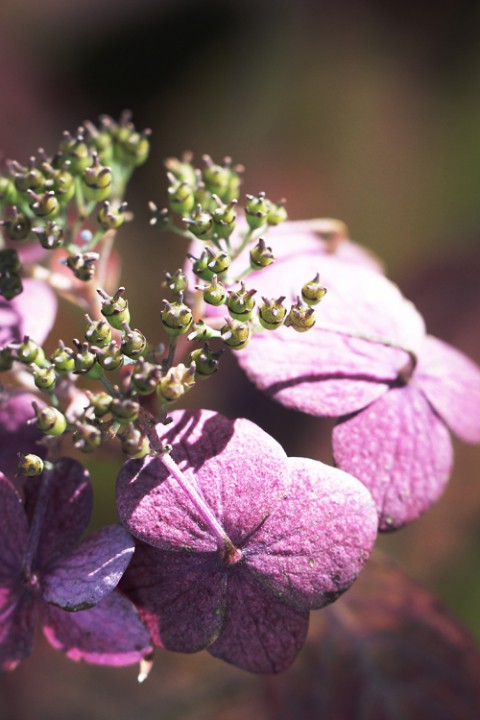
367	111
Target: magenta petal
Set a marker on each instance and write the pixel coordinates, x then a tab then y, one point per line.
180	596
451	381
17	625
111	633
92	570
401	451
13	531
260	633
9	323
68	511
237	467
36	307
312	548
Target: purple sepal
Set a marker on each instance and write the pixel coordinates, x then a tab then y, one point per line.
111	633
17	625
92	570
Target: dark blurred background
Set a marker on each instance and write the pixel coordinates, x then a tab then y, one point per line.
367	111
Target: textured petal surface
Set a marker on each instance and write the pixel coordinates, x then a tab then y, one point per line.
68	511
360	343
13	532
15	435
239	469
111	633
314	545
451	381
260	633
17	624
402	452
36	307
92	570
9	323
180	596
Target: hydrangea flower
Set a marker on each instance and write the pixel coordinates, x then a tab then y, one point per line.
296	533
369	355
44	574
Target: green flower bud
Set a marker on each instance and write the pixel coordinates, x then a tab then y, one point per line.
83	265
176	318
200	266
224	217
134	442
16	225
45	205
257	209
235	334
272	313
84	359
176	383
49	420
97	181
241	304
99	402
261	256
206	361
27	178
215	293
301	317
133	342
63	359
50	236
124	411
134	149
28	351
219	262
111	218
277	213
182	169
115	308
181	196
215	177
98	332
145	377
76	151
87	437
45	377
176	283
101	140
8	192
110	358
60	181
200	223
313	292
29	465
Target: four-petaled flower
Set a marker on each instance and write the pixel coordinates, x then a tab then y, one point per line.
296	535
43	572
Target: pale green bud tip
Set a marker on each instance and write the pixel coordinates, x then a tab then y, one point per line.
29	465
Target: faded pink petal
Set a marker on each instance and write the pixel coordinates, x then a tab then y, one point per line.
91	571
165	586
111	633
401	451
17	625
224	459
36	307
68	511
316	542
260	633
451	381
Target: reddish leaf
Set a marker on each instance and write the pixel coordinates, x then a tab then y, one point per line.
385	651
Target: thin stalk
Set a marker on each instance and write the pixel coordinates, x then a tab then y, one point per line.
37	521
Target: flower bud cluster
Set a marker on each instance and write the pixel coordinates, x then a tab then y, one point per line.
53	199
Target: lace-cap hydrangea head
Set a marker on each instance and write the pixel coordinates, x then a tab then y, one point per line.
46	573
296	533
368	360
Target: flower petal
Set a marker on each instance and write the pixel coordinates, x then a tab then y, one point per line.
401	451
68	511
91	571
15	435
111	633
17	625
451	381
260	633
180	596
36	307
312	548
236	466
13	532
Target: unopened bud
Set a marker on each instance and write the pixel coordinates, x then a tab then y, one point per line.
313	292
